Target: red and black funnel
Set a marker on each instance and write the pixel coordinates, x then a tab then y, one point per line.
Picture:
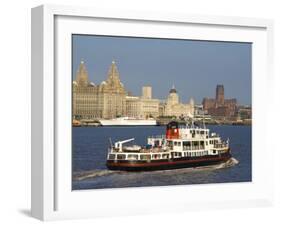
172	130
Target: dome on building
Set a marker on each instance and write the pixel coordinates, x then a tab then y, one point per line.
173	97
173	90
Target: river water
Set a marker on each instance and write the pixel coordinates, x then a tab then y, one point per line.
90	146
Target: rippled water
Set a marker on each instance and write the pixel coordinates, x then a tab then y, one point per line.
90	148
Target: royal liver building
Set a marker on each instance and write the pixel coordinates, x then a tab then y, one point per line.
107	100
110	99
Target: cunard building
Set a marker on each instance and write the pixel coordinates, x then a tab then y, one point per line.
144	106
91	101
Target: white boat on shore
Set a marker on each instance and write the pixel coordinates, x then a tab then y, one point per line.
127	121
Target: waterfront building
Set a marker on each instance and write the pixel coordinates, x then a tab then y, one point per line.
244	112
220	95
149	108
85	96
144	106
110	99
173	106
90	101
112	95
220	106
147	92
133	106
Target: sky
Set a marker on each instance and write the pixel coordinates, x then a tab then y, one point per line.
193	67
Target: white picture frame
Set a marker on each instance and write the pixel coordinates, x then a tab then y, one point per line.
52	197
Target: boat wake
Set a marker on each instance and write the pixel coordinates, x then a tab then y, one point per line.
229	163
91	174
94	173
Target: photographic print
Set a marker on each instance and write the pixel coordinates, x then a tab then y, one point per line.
160	112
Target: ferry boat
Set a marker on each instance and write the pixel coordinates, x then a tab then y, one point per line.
181	147
128	121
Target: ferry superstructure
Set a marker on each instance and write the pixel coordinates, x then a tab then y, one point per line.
127	121
181	147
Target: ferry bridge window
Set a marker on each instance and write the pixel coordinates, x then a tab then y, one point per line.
195	144
111	157
186	145
133	157
145	157
170	144
156	156
121	157
177	143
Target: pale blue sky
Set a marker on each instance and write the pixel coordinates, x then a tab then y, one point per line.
194	67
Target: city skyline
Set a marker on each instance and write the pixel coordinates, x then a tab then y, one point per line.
228	63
